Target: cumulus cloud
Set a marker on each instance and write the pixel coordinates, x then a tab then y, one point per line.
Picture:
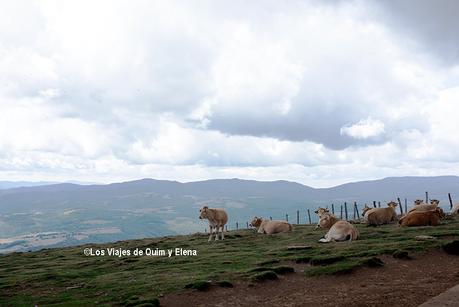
365	128
301	90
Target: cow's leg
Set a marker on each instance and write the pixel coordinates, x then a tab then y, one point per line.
223	231
216	232
325	239
210	231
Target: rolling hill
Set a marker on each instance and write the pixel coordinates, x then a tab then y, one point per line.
64	214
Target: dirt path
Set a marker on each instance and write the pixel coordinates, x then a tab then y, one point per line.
398	283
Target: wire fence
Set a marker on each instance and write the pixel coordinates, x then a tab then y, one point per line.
347	210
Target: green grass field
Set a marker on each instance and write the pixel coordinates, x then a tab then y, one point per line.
66	277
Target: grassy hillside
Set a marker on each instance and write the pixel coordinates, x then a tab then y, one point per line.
67	214
66	277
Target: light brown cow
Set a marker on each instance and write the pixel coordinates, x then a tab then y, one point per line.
337	230
420	206
380	216
422	218
270	227
455	209
217	219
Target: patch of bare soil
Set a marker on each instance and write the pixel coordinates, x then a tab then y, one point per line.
398	283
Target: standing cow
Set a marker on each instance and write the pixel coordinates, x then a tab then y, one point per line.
217	220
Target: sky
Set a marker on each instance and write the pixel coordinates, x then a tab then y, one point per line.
317	92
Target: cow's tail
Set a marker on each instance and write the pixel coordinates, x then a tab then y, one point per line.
400	220
354	234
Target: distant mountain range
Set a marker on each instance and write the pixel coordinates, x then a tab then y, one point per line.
68	214
18	184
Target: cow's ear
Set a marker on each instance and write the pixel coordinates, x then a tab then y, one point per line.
205	208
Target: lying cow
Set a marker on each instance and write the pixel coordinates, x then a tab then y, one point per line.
380	216
217	219
420	206
422	218
270	227
337	230
455	209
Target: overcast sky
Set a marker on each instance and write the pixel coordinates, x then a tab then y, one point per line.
318	92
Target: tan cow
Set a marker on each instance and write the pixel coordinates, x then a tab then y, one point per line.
422	218
420	206
270	227
337	230
217	219
380	216
455	209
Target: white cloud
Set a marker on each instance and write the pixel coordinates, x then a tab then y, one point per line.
365	128
307	91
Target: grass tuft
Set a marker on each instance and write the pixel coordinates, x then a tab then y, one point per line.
199	285
225	284
452	247
373	262
401	254
267	275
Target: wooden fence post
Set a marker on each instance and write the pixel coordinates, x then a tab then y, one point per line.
341	214
286	217
226	227
406	205
374	203
237	225
345	209
356	209
427	197
400	205
379	204
450	201
309	217
247	225
333	209
297	217
270	218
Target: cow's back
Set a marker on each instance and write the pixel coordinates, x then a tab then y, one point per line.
219	217
272	227
420	218
422	208
345	228
378	216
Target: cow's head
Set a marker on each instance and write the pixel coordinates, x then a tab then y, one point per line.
203	212
418	202
392	204
434	202
321	211
325	221
256	222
